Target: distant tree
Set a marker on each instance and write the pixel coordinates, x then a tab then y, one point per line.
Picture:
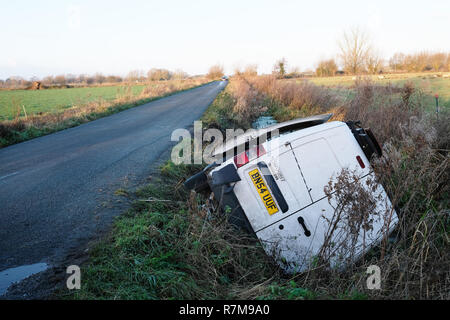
279	69
374	64
179	75
237	70
113	79
71	78
133	76
438	61
251	70
326	68
215	72
89	80
421	62
153	75
60	80
397	62
158	74
81	78
99	78
294	72
48	80
355	49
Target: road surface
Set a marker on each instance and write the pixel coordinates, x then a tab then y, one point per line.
57	191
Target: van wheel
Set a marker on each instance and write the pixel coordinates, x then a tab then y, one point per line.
197	182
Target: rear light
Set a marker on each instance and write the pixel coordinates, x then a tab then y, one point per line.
361	162
249	155
241	159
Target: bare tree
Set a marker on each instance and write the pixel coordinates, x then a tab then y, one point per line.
294	72
99	78
215	72
397	62
70	78
60	80
421	62
159	74
279	68
437	60
134	76
326	68
251	70
374	63
113	79
355	48
179	74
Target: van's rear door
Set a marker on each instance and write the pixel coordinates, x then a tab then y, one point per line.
322	157
317	163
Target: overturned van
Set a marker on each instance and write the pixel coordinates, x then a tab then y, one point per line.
273	181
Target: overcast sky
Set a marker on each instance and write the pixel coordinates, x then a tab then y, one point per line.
45	37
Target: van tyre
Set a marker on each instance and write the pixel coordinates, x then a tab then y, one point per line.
198	182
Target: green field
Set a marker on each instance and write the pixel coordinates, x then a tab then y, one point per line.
428	83
55	100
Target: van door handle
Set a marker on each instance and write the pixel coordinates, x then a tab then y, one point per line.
305	228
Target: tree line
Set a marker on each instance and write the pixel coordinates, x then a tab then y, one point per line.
135	76
398	63
96	79
358	56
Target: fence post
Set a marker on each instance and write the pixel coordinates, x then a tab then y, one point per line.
436	96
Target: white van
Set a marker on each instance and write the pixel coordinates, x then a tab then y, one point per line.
273	185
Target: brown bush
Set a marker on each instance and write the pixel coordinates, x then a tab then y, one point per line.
248	102
215	72
302	96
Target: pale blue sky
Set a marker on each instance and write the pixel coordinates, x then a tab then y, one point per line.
113	37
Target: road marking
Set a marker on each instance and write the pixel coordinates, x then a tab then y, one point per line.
9	175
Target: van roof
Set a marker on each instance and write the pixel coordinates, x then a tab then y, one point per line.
283	127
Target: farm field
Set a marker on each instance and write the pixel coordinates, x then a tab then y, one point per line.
55	100
427	82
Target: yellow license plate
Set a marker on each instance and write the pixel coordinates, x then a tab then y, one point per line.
263	191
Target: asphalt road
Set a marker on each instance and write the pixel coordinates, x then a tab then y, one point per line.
57	191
